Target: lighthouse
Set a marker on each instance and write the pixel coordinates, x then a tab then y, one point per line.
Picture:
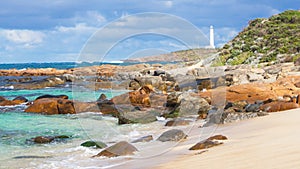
211	37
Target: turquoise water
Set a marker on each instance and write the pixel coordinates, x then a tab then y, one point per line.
18	127
79	95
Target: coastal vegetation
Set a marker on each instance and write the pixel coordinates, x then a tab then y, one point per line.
276	39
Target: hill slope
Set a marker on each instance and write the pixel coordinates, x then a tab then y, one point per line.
183	55
264	40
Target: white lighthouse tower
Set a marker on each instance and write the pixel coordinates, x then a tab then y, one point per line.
211	37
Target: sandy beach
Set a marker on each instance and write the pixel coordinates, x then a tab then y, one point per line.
267	142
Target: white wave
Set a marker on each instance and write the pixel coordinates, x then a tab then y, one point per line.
7	87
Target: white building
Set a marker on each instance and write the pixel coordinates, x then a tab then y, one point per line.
211	38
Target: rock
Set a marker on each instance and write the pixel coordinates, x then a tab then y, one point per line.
217	137
134	85
143	139
191	104
154	81
43	139
52	96
140	97
238	116
253	107
102	98
122	148
38	84
2	99
70	77
48	139
65	106
62	137
217	117
129	117
173	99
97	144
252	77
21	99
45	106
241	104
228	105
178	122
81	107
50	106
108	107
278	106
205	144
5	102
172	135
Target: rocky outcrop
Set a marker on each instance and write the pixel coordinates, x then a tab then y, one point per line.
172	135
122	148
34	72
252	92
38	84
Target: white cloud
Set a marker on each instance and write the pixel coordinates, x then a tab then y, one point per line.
168	4
92	18
23	36
225	34
78	28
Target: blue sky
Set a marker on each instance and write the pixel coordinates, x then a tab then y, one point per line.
58	30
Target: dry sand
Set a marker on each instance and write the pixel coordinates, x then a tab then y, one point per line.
271	141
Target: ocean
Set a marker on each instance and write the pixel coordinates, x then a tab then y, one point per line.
18	127
68	65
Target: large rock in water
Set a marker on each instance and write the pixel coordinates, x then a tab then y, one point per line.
122	148
172	135
52	96
51	106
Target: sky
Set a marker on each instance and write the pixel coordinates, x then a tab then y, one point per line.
97	30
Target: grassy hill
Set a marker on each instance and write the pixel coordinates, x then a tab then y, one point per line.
276	39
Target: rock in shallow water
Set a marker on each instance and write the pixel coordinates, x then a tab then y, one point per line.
143	139
205	144
122	148
172	135
178	122
48	139
97	144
